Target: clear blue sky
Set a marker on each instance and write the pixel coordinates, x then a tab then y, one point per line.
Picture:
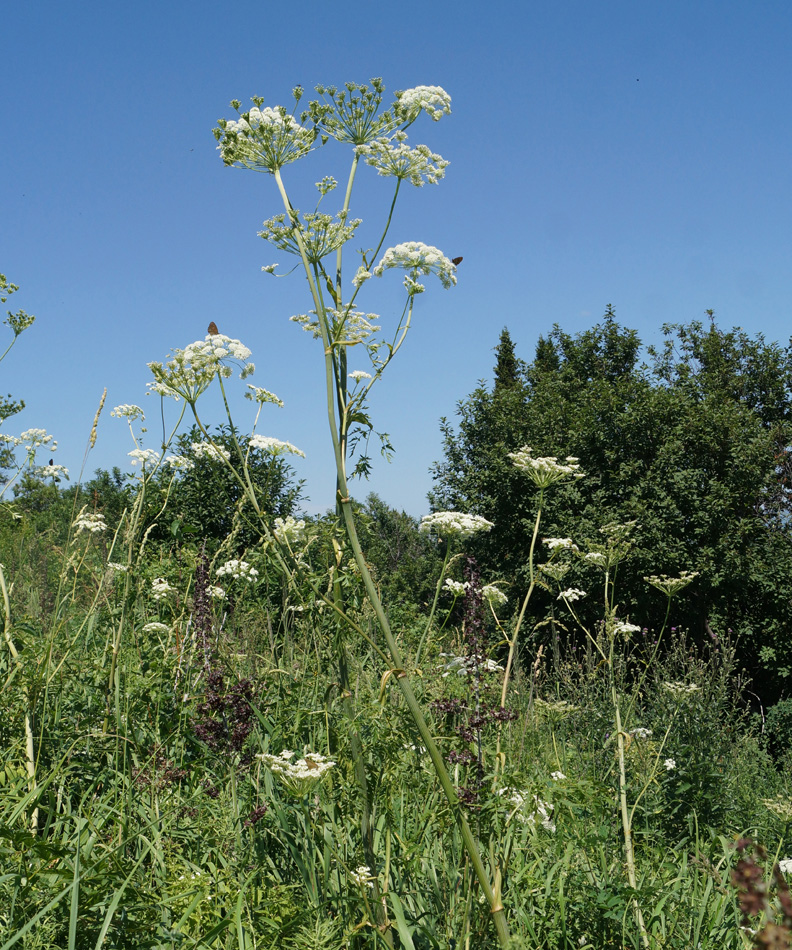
634	153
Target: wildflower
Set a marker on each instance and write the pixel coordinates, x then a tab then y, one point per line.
53	471
457	588
464	665
640	733
179	463
362	876
557	707
495	597
361	276
433	100
270	269
454	524
681	688
556	571
319	234
259	395
400	161
596	557
560	544
289	530
622	629
571	594
161	589
156	627
130	412
670	764
216	593
671	585
239	570
145	457
206	450
262	139
528	810
189	372
358	374
89	521
780	807
300	777
33	438
117	568
785	865
545	471
557	776
418	258
274	446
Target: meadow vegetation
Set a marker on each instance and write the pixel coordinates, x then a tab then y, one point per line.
551	714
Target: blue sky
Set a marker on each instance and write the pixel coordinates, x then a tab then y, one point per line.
632	153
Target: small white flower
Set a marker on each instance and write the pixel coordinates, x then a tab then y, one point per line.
358	374
450	524
301	777
670	764
205	450
179	463
160	588
671	585
93	522
216	593
785	865
561	544
128	412
117	568
464	665
418	258
546	470
494	596
361	276
433	100
679	689
239	570
596	557
289	531
274	446
362	876
640	733
457	588
156	627
145	457
557	776
623	629
571	594
259	395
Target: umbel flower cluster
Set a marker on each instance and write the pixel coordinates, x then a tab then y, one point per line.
545	471
454	524
301	777
189	372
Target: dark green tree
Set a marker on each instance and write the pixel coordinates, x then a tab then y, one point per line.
693	444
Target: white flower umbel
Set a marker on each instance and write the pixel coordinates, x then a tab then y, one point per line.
560	544
147	458
206	450
557	776
117	568
359	374
433	100
528	809
418	258
274	446
239	570
259	395
216	593
93	522
301	777
127	411
362	876
621	628
189	372
494	596
262	139
179	463
681	689
671	585
545	471
640	733
289	531
395	159
670	764
785	865
454	524
465	665
457	588
156	627
53	471
571	594
319	234
161	589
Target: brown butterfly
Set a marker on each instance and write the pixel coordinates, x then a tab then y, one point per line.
212	329
311	764
456	261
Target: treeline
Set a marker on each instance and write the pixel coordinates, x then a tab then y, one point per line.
690	440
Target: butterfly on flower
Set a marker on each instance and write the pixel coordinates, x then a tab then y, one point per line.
456	261
212	329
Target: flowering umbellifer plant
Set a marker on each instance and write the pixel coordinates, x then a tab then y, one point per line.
267	139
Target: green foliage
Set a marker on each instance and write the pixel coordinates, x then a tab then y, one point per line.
778	729
692	444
